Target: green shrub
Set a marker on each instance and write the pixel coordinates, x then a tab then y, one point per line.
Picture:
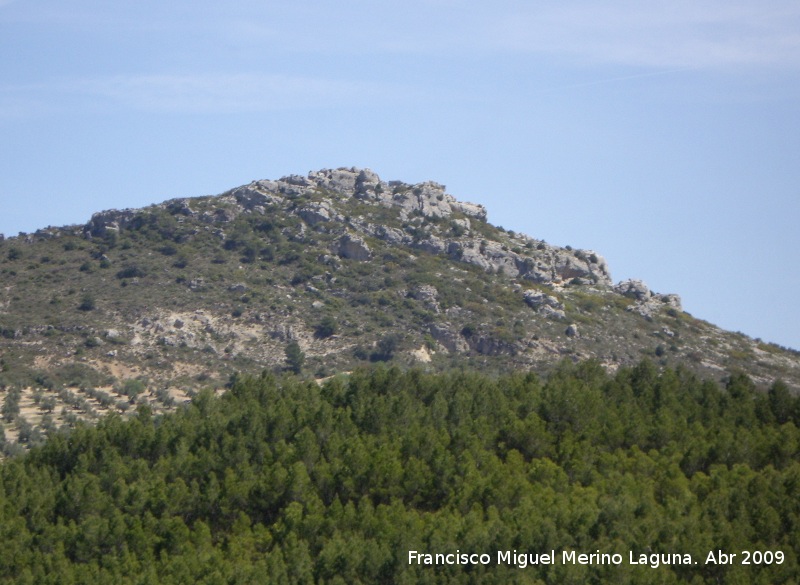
131	271
387	345
87	303
326	327
132	388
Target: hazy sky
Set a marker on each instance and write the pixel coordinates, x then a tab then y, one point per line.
664	135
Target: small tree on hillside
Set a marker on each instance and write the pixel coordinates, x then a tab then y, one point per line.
386	348
326	327
10	409
87	303
295	358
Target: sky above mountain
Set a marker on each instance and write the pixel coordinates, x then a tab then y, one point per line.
666	136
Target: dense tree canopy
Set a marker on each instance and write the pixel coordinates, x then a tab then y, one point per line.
284	481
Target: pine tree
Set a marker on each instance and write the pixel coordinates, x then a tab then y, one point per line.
295	358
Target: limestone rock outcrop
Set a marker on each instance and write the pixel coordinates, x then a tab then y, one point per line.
428	219
353	247
545	304
647	301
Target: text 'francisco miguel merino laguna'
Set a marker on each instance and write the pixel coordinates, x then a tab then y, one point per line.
567	557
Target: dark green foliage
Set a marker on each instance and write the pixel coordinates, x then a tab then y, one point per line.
386	347
360	352
10	409
78	374
781	404
48	404
249	252
132	388
295	358
291	482
132	271
87	303
326	327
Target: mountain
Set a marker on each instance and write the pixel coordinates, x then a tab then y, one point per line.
319	273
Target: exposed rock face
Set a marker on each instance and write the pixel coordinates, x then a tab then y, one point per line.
353	247
647	302
390	235
111	220
548	265
487	345
672	300
432	244
342	180
471	209
427	199
314	214
545	304
447	338
428	295
635	289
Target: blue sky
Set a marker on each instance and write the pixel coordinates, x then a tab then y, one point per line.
664	135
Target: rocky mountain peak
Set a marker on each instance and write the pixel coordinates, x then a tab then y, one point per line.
348	266
430	219
424	217
319	274
427	199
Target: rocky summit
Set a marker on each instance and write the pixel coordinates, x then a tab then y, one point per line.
317	274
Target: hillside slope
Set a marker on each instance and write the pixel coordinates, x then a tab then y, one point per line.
321	273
